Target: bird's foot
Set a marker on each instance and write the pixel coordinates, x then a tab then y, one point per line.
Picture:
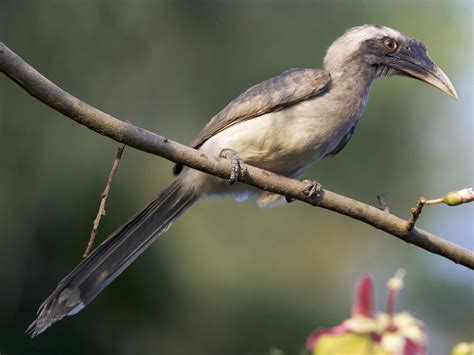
312	188
238	168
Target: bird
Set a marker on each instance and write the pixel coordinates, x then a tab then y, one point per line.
284	125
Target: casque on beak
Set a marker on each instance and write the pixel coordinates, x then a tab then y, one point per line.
412	60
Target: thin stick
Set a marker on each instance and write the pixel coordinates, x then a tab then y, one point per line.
415	213
103	200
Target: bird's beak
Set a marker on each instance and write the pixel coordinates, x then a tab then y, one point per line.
413	61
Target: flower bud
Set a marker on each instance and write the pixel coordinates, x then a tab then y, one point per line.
452	199
458	197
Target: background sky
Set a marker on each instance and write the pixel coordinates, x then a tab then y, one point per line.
228	278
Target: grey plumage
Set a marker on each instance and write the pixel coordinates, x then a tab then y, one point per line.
284	124
288	88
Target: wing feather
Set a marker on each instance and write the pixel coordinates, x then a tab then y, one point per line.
288	88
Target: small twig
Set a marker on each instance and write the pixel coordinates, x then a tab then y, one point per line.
103	200
415	213
382	203
453	198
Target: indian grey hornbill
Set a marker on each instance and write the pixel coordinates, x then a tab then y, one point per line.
284	125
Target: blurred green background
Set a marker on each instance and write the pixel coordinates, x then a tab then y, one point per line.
210	285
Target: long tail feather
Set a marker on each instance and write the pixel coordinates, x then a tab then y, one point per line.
113	256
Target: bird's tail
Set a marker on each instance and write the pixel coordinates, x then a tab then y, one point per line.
113	256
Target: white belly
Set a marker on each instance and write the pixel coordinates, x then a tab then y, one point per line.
282	142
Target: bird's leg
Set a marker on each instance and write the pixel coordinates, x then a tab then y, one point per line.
238	169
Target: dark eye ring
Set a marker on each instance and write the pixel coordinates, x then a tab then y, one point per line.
390	44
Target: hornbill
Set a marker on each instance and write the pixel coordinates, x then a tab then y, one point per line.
284	124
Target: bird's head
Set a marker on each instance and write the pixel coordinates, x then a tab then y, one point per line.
385	52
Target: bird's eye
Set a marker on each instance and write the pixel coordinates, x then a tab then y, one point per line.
390	44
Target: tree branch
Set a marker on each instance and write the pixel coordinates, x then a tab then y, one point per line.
103	200
44	90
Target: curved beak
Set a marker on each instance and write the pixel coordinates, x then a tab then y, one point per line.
413	61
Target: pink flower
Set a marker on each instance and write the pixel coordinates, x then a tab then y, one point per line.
367	333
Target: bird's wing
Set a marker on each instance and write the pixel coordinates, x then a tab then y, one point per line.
288	88
274	94
343	142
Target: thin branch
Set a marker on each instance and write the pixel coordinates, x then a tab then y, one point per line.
50	94
453	198
415	213
103	200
